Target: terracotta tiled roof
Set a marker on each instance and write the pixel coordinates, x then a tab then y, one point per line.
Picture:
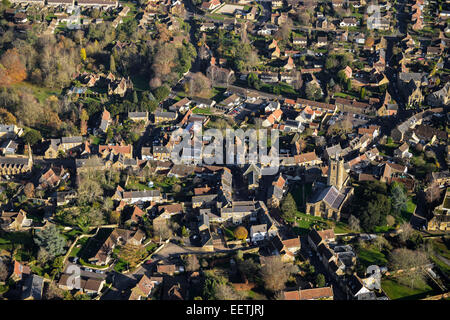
166	268
316	293
306	157
326	234
171	208
106	115
289	101
291	295
19	269
279	182
292	243
277	114
116	149
200	191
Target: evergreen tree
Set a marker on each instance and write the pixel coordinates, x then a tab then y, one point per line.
50	240
363	93
320	280
398	197
288	207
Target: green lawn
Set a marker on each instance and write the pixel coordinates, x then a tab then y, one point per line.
385	228
370	256
132	7
75	250
121	266
229	235
345	95
341	227
137	186
306	221
151	247
441	249
422	166
166	184
395	290
216	16
95	140
40	93
202	110
410	208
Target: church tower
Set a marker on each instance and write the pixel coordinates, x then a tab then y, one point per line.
336	173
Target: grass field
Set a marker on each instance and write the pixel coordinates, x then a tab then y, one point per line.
385	228
77	248
370	256
410	208
440	248
202	110
137	186
395	290
341	227
345	95
306	221
39	92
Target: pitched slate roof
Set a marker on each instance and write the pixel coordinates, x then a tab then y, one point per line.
331	196
258	228
325	251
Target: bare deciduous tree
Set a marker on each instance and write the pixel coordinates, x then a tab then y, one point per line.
433	193
28	190
380	242
406	231
132	254
275	273
411	262
53	292
192	263
225	292
162	231
4	271
390	220
354	223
